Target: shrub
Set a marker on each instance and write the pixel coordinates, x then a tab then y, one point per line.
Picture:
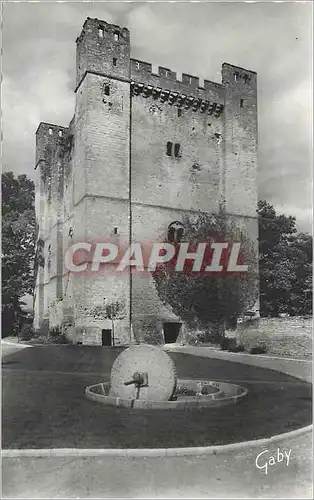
237	348
27	332
195	338
232	344
57	336
227	343
259	349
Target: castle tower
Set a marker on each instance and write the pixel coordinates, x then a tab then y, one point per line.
144	150
101	159
240	190
49	202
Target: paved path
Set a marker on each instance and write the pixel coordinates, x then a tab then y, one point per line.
299	368
227	475
8	347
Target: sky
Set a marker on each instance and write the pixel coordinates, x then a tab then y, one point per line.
272	38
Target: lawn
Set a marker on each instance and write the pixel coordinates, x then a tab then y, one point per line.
44	403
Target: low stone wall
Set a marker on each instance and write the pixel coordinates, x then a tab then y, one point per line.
290	337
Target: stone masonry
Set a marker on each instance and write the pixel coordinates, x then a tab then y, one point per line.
113	174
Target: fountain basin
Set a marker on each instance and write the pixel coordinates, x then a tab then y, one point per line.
188	394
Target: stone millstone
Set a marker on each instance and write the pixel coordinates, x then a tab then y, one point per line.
147	359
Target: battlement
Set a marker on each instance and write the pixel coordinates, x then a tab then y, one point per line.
236	75
50	129
48	136
102	29
165	78
102	48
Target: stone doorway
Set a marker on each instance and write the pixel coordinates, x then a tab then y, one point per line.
106	337
171	332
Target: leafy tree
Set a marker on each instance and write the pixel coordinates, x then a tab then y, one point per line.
285	264
300	246
209	300
113	310
18	247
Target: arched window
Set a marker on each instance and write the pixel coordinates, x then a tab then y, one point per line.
175	232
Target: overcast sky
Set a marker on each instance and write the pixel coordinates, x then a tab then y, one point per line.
273	39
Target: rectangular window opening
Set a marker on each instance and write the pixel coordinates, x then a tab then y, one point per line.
241	103
169	148
116	36
60	133
176	150
137	65
236	77
115	230
114	61
107	90
50	131
179	112
100	32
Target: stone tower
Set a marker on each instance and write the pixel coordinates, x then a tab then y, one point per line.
142	150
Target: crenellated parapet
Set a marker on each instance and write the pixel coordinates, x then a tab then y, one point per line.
167	79
53	154
48	139
196	104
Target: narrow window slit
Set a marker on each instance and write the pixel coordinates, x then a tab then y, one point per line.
169	148
176	150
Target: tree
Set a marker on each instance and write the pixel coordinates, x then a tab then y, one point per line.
209	300
300	246
18	246
113	310
285	264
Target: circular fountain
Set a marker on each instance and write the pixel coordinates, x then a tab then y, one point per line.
144	377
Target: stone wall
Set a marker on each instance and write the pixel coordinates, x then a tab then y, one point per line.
291	337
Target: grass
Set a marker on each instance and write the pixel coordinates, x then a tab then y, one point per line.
44	403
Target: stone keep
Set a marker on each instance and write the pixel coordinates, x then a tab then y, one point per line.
142	150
